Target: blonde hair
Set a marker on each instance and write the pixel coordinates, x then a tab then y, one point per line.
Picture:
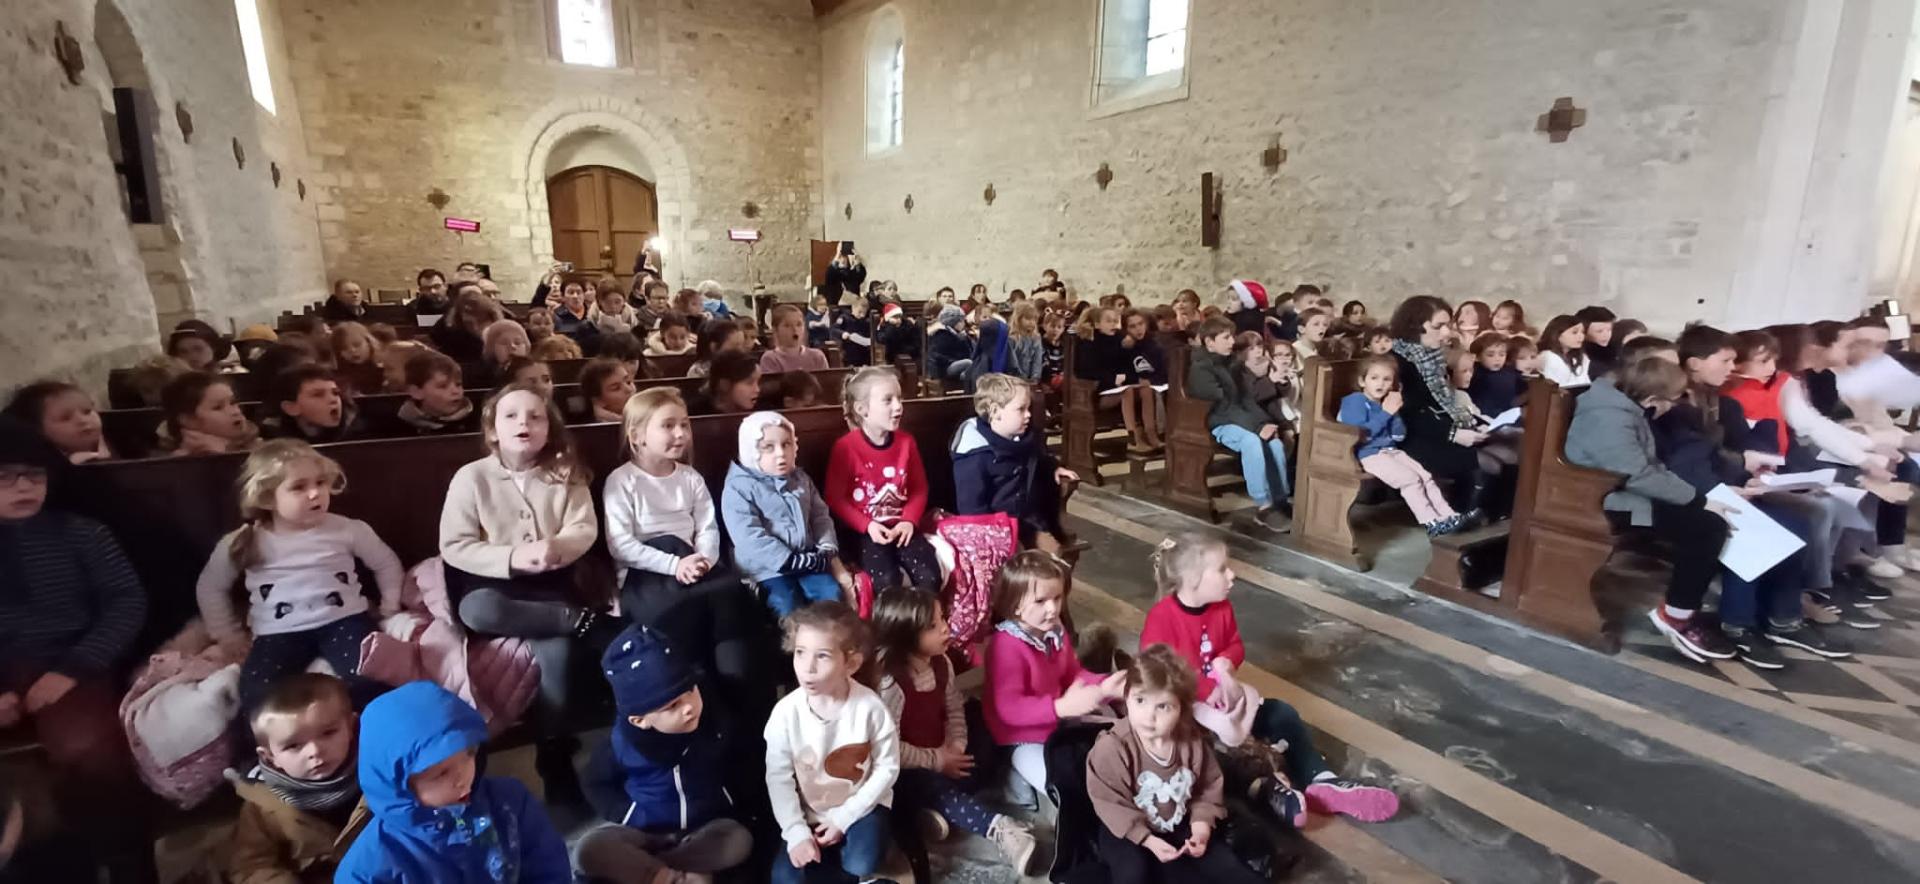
266	468
855	392
641	407
994	390
556	347
1025	321
556	460
1178	559
345	332
783	311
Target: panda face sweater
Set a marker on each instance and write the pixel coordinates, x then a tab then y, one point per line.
299	580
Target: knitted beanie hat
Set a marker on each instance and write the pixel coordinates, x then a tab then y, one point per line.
645	670
751	430
951	316
1253	296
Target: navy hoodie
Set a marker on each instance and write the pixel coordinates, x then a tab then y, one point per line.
500	836
994	474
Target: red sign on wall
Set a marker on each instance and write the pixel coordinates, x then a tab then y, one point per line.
462	225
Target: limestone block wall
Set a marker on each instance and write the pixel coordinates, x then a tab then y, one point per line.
1413	165
88	290
406	97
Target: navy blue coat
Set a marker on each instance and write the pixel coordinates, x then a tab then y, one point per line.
994	474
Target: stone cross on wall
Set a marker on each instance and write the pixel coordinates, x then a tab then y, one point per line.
1560	122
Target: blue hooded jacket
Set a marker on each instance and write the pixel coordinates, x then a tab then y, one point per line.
500	835
995	474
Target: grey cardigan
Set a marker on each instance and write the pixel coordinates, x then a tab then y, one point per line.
1610	432
770	518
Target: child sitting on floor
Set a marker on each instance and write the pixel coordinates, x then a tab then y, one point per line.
1375	409
1194	618
782	533
662	777
1156	787
300	807
936	751
1033	678
790	351
437	402
833	752
296	562
1001	467
434	817
877	487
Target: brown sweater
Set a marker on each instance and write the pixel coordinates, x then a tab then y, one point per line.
1137	797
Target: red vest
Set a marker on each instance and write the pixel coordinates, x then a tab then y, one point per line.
923	718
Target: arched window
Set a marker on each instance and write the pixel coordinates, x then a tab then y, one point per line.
886	82
253	46
1142	53
586	32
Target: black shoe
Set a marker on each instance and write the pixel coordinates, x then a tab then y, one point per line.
1754	651
1470	520
1864	585
1807	639
553	761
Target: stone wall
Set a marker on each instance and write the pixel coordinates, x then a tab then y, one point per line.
1413	164
88	290
405	97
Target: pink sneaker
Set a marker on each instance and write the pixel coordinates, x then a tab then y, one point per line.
1368	804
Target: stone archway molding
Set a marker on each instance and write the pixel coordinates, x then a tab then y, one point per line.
620	118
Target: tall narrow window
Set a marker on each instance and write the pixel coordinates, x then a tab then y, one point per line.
886	81
896	89
1166	36
1142	56
586	33
253	46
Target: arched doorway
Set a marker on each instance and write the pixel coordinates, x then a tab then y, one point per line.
602	218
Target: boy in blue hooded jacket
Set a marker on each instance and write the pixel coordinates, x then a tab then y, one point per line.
435	820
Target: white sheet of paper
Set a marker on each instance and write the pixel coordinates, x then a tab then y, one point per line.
1757	542
1790	481
1882	379
1914	457
426	321
1508	418
1157	388
1824	457
1767	458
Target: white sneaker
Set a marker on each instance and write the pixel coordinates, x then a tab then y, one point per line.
1884	568
1902	556
1015	840
933	826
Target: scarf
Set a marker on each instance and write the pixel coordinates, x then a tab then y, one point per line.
414	415
312	796
198	442
1052	641
1431	362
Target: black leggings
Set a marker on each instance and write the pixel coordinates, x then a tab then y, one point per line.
716	612
1130	863
531	607
883	562
1696	536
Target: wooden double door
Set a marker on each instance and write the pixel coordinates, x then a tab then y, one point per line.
602	219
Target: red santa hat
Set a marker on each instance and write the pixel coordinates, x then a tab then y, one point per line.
890	311
1253	296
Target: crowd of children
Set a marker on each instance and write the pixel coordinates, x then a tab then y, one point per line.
375	781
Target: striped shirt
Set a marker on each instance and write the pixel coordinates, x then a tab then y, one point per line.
68	598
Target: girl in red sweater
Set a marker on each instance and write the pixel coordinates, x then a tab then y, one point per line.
875	485
1195	619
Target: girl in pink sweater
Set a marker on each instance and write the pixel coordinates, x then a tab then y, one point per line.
1033	678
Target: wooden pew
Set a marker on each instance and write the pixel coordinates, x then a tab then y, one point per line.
1190	447
670	366
1328	480
1560	535
399	485
1080	417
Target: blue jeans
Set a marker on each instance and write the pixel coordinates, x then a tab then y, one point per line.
1262	461
789	592
861	852
1775	594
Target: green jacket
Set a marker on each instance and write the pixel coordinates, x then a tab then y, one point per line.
1212	378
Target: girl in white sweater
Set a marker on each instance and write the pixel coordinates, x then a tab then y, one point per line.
833	751
295	561
514	524
665	537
